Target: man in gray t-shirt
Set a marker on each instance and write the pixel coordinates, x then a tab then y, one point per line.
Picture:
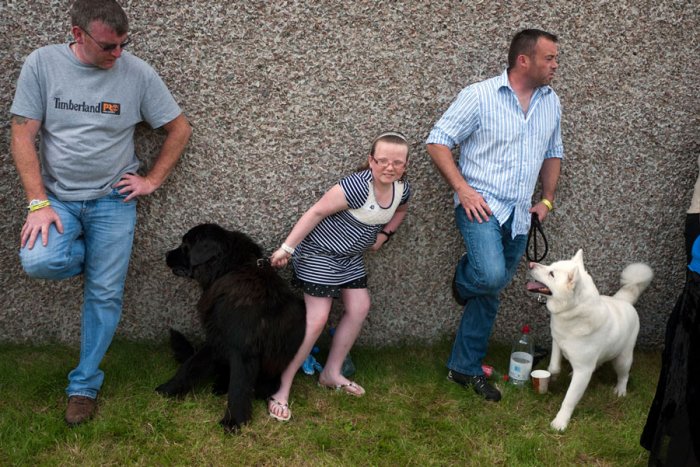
84	99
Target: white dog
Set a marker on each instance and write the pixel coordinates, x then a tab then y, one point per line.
588	328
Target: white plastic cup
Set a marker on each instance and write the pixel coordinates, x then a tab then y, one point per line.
540	381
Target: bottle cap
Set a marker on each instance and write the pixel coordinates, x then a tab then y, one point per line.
526	329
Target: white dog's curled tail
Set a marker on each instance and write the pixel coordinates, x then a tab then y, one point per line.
634	279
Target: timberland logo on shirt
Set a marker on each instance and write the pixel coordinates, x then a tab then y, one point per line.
112	108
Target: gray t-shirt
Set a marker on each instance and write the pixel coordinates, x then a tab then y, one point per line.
88	117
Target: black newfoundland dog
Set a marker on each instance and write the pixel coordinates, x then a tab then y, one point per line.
252	321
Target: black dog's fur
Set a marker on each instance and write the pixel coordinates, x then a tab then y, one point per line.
252	321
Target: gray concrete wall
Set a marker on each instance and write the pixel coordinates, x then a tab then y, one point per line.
284	98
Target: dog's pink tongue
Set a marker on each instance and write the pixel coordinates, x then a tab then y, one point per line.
537	287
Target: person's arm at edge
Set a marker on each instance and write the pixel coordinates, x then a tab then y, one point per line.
23	147
179	132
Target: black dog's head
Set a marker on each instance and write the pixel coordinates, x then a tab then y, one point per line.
208	251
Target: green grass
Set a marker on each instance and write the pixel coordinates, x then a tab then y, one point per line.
411	416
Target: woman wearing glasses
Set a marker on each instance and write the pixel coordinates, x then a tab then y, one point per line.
359	213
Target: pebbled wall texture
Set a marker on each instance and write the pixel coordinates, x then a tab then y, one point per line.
285	97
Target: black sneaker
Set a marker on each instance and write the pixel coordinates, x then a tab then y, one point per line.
479	383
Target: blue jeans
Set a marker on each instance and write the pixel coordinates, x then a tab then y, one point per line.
489	265
96	241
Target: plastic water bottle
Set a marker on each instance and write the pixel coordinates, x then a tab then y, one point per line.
521	358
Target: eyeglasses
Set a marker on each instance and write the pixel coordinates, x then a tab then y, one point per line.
384	163
109	47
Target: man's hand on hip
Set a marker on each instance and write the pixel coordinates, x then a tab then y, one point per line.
135	185
474	205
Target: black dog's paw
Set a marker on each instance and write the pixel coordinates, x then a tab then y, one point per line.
230	425
234	420
168	389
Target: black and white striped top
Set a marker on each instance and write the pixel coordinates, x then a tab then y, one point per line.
331	254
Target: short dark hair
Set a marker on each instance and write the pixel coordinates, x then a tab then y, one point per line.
84	12
523	43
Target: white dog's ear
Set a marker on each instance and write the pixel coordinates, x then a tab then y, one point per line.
578	257
572	277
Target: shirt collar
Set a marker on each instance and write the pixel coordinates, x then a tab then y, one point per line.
503	83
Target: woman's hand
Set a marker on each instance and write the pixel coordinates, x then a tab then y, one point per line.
279	258
381	240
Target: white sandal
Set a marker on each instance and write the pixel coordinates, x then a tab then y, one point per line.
351	388
279	404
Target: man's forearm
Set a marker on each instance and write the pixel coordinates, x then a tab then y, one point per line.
24	154
549	177
443	160
179	132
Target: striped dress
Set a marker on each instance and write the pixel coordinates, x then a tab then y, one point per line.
331	254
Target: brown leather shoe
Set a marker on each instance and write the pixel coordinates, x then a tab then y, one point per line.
80	409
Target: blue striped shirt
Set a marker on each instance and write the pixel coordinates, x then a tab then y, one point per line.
501	148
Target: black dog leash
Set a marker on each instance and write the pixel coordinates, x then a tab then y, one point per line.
535	229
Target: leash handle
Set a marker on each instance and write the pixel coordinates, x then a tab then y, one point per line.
535	228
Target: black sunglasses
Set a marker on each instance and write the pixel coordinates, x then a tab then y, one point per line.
109	47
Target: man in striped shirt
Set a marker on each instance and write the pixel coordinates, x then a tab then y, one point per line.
508	131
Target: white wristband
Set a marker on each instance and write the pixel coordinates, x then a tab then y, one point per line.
287	248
